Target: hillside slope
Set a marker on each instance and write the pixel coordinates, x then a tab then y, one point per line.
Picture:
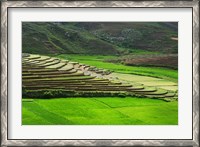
103	38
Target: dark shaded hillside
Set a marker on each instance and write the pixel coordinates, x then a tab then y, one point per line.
104	38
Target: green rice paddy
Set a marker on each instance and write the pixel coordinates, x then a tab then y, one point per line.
99	111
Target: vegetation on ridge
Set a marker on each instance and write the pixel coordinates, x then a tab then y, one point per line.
100	38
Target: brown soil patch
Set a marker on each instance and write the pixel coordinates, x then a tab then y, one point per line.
170	61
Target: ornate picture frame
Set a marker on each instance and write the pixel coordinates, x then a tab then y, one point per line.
6	5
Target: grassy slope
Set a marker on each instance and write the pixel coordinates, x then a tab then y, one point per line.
153	36
132	111
165	73
45	38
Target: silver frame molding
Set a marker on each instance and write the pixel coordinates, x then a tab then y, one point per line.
4	72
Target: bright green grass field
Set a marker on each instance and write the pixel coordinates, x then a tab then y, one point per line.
99	111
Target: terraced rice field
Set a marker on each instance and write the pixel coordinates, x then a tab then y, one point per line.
47	73
147	81
62	92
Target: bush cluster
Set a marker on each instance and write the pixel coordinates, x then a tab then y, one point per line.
128	37
56	93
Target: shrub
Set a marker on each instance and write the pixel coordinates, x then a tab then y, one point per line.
48	94
122	95
56	93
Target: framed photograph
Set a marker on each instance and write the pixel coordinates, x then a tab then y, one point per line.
95	73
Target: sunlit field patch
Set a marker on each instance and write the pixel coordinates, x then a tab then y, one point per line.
100	111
